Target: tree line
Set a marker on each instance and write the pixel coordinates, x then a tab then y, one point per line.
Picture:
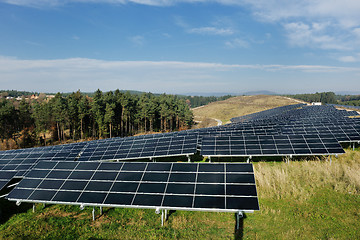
329	97
197	101
323	97
352	100
77	116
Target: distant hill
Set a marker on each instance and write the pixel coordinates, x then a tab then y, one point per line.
210	94
237	106
348	93
17	93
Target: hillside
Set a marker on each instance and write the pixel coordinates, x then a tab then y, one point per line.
237	106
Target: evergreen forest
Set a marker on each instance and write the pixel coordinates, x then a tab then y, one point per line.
63	119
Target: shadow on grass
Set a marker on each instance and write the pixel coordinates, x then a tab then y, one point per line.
171	212
8	208
239	233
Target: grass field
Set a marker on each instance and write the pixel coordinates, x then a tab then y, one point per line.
307	198
237	106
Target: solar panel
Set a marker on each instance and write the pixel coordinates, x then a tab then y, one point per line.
227	187
5	177
345	106
277	145
342	133
139	148
71	147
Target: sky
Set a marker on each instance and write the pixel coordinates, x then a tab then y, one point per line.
180	46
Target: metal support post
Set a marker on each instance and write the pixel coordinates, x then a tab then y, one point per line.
162	217
353	146
93	212
189	160
209	159
165	214
44	206
248	160
101	212
330	159
34	207
238	216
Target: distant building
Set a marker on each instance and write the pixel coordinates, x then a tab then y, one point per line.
316	103
34	96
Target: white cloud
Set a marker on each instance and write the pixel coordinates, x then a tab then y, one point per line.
137	40
347	59
237	43
33	43
345	12
326	24
159	76
211	31
218	27
350	58
315	35
342	17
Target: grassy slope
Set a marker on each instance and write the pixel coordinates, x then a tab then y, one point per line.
238	106
307	199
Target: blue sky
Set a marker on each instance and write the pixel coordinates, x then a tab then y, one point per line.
180	46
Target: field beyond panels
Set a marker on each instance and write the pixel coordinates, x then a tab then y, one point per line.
237	106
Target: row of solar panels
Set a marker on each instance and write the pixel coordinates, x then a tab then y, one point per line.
345	106
293	112
226	187
267	113
177	146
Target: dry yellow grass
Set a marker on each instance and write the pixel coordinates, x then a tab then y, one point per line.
239	106
299	179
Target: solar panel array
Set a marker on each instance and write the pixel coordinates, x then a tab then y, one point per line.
148	146
342	133
345	106
224	187
267	113
81	174
278	145
138	148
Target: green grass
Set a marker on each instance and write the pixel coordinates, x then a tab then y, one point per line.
68	222
324	215
304	199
